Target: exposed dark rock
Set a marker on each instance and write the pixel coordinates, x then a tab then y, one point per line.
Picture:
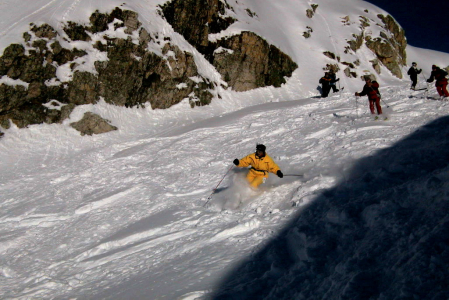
126	80
83	89
357	43
76	32
389	47
308	33
376	65
12	97
251	13
333	67
350	65
245	61
93	124
364	22
248	61
131	76
311	12
390	50
346	20
386	53
329	54
100	22
62	55
399	40
350	74
44	31
192	20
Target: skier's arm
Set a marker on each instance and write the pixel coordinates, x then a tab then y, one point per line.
363	92
273	167
245	162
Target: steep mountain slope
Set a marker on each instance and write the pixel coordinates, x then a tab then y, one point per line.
132	54
121	215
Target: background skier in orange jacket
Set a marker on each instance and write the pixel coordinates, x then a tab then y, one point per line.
261	164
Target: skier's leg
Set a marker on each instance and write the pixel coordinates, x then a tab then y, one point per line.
371	106
414	82
440	90
254	180
444	90
378	107
326	90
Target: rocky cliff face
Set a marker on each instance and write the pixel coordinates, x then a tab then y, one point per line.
129	74
46	76
245	61
389	47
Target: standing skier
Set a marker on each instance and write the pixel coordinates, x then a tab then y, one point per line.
326	84
441	81
261	164
334	79
413	73
371	89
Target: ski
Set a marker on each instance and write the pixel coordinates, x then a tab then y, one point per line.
423	89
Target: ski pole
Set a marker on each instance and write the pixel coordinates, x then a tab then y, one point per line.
299	175
210	196
385	102
356	106
425	80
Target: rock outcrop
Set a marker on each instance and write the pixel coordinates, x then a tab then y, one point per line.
389	47
93	124
128	73
245	61
131	75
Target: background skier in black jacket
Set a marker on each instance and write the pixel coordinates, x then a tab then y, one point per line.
413	73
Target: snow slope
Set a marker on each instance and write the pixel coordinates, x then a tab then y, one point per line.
122	216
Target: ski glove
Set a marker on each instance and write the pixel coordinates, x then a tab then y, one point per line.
279	173
236	162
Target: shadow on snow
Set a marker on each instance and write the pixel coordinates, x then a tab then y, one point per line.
383	233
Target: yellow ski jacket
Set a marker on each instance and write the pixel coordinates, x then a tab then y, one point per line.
260	166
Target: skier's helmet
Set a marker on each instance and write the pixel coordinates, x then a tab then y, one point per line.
260	147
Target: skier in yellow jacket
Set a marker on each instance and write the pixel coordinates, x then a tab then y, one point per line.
261	164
